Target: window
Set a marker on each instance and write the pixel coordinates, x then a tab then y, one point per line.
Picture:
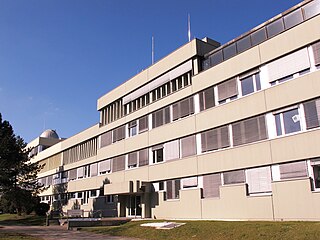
132	128
216	58
259	180
293	170
206	99
215	139
229	51
211	185
258	36
315	164
143	124
94	193
118	134
311	9
234	177
287	122
227	90
80	172
143	157
243	44
250	82
105	167
161	186
133	160
94	169
188	146
312	113
183	108
118	163
189	182
275	28
157	154
171	150
293	18
316	52
161	117
72	174
249	130
173	187
110	199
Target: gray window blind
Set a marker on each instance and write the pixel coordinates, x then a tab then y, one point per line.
249	130
288	65
171	150
188	146
143	124
132	159
316	52
161	117
106	139
190	182
211	185
119	133
227	89
173	187
215	139
312	113
118	163
94	169
206	99
233	177
293	170
105	166
143	157
259	180
80	172
183	108
72	174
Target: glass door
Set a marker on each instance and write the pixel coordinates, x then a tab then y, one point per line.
135	209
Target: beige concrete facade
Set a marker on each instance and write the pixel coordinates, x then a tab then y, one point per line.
211	158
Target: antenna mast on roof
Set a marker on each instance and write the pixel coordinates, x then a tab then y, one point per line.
152	50
189	28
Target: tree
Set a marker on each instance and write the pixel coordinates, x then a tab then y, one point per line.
18	183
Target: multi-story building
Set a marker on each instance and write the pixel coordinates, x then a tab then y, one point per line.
208	132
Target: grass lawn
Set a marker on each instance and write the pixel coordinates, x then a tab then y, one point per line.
25	220
218	230
15	236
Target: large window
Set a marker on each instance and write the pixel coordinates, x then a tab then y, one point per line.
211	185
171	150
206	99
157	154
215	139
293	170
288	122
312	113
105	167
183	108
173	187
249	130
118	163
105	139
234	177
259	180
188	146
118	133
227	90
143	124
132	127
161	117
250	82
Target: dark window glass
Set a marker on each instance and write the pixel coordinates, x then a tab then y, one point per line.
243	44
293	18
216	58
234	177
291	121
258	83
247	85
258	36
206	64
278	124
174	85
275	28
229	51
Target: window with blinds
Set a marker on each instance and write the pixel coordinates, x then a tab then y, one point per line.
316	53
234	177
144	157
105	166
118	133
259	180
173	188
80	172
105	139
211	185
118	163
183	108
132	159
215	139
227	89
249	130
288	65
94	169
190	182
171	150
161	117
188	146
143	124
293	170
206	99
312	113
72	174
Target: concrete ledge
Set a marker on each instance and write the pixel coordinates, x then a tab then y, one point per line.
95	222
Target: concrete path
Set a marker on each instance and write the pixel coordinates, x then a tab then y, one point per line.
58	233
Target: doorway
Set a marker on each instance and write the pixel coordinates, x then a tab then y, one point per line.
135	209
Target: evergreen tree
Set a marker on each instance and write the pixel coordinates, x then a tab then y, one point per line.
18	183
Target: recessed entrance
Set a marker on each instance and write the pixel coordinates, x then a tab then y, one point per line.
135	209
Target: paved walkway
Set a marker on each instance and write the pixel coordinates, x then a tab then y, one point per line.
58	233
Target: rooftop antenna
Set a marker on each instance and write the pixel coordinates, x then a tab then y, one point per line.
152	50
189	28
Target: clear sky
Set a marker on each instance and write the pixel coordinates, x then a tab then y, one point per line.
57	57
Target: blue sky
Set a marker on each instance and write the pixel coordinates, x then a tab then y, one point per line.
57	57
